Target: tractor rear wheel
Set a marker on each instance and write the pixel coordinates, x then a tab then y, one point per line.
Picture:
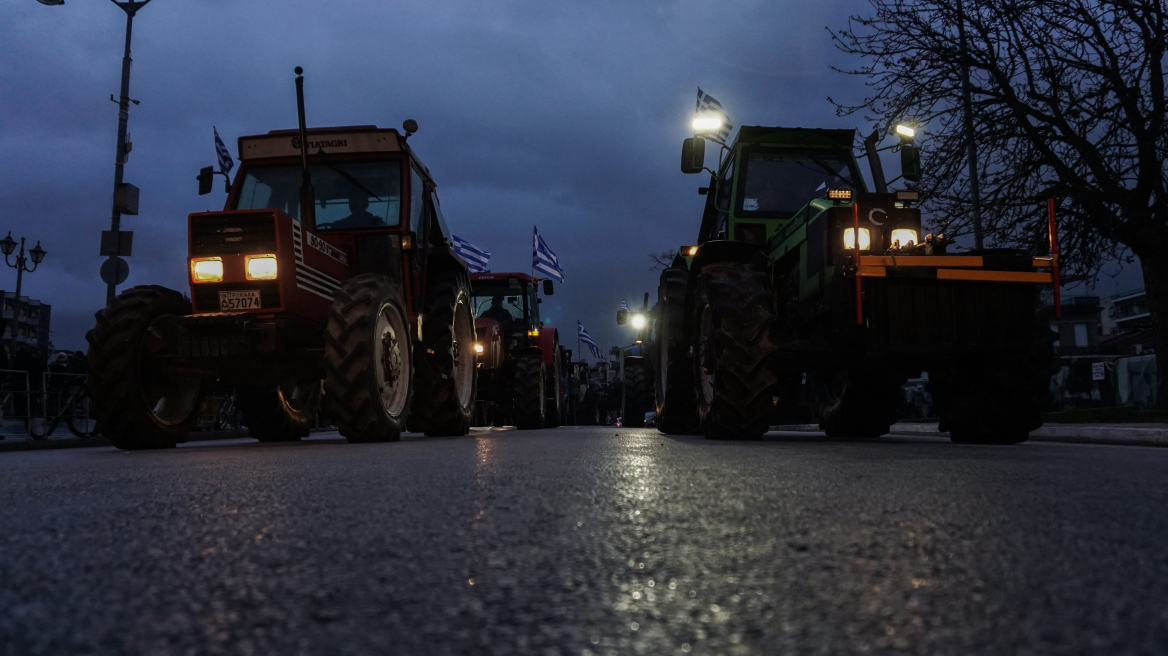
279	413
854	402
527	399
553	412
138	403
998	401
674	388
368	361
444	385
733	371
633	414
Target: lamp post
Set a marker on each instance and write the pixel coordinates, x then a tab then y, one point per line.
36	254
125	196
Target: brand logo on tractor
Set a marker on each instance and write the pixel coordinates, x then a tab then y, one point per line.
332	143
872	216
324	247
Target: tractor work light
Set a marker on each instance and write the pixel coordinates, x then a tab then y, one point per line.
910	196
207	269
839	194
903	237
691	251
850	239
905	131
638	321
707	124
533	333
261	267
478	348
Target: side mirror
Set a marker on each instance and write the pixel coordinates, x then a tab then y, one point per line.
548	288
622	317
693	155
206	178
910	162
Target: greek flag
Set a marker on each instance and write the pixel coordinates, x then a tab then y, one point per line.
476	259
709	106
587	339
545	261
624	306
225	161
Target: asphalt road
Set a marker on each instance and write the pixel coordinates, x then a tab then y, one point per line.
578	541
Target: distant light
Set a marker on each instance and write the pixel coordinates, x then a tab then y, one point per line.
478	348
906	131
638	321
707	123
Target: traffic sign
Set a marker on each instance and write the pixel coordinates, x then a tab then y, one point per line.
108	271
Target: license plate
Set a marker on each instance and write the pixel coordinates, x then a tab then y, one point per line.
247	299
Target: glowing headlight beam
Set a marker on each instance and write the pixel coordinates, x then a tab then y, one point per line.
261	267
209	269
905	131
904	236
638	321
707	123
850	239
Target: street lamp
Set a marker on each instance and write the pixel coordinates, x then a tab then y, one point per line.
36	254
125	195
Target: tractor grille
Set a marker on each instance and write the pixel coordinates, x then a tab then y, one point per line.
206	295
232	234
929	314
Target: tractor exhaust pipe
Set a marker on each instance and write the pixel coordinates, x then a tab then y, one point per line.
307	193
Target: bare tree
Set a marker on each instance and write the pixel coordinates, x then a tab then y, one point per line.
1068	103
661	259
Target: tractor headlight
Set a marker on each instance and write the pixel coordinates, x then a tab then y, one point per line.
850	239
207	269
478	348
904	236
261	267
638	321
707	124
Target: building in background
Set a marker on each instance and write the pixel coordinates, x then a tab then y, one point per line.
1126	313
1079	328
30	327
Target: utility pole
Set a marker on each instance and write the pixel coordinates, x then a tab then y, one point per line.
121	192
970	141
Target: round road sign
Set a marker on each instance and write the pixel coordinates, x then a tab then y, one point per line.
107	271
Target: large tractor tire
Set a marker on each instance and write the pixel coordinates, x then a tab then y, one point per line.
444	385
674	388
138	404
368	359
279	413
854	402
998	400
527	399
733	368
553	413
633	412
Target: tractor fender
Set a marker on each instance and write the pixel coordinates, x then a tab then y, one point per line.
712	252
634	359
548	336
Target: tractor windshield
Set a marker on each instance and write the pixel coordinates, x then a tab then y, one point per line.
775	184
348	194
502	303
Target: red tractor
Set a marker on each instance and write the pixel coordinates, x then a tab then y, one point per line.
519	362
329	272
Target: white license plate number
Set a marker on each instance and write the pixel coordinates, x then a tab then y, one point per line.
247	299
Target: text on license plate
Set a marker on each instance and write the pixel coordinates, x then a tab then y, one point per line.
246	299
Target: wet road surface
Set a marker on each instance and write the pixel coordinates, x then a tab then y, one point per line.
585	540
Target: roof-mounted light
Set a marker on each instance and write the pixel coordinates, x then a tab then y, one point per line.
908	196
905	131
707	124
839	194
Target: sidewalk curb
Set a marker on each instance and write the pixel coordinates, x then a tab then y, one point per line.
1072	433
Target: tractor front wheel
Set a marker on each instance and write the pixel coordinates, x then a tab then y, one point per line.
633	388
133	395
733	370
553	413
527	401
368	359
444	385
674	389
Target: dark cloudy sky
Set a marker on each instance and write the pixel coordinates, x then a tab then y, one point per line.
567	115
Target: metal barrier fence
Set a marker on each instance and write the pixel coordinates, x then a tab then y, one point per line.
56	398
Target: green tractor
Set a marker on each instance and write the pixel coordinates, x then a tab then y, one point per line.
805	290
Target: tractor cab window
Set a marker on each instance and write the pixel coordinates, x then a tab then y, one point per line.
500	303
349	195
775	184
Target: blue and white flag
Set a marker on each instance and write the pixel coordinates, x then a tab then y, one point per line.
624	306
476	259
225	161
709	106
544	260
587	339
